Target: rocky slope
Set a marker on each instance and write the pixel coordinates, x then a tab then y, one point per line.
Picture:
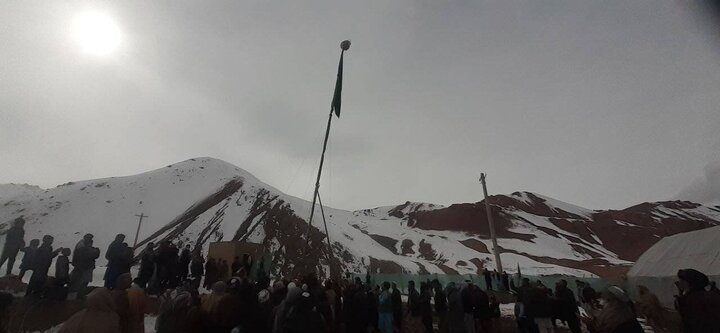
202	200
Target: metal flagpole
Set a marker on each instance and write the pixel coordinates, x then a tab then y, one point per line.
344	46
496	251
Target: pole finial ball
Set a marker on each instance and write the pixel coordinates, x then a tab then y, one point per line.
345	45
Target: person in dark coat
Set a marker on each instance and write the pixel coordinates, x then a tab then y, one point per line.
83	262
698	308
396	300
469	306
373	314
43	259
28	255
184	262
196	266
455	321
235	266
538	307
62	275
426	306
147	265
211	273
440	299
488	279
567	308
303	317
223	270
113	252
14	241
359	320
506	281
482	308
414	322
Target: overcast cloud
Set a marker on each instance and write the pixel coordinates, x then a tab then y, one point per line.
604	104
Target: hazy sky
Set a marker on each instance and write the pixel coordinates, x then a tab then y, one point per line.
604	104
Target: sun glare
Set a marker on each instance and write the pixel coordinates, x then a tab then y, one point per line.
96	33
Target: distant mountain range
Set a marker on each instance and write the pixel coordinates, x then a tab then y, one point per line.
202	200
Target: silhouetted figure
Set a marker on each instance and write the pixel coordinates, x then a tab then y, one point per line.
235	267
184	263
112	255
223	270
83	262
196	266
211	273
42	261
506	281
567	306
396	300
14	241
426	306
147	265
27	260
440	300
62	275
698	307
488	279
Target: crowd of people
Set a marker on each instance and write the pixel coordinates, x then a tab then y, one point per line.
216	296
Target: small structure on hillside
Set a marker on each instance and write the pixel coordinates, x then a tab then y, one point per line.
250	254
657	268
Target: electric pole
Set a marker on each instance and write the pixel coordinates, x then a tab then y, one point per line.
496	251
137	233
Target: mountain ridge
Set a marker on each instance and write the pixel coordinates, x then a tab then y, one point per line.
200	200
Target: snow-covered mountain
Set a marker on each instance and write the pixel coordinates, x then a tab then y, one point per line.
204	200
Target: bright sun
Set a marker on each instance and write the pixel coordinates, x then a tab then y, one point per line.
96	33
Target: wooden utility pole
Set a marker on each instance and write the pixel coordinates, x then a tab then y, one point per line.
137	233
496	251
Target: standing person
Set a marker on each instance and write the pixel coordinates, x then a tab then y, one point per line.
372	305
84	258
196	266
223	270
494	315
469	306
539	309
482	309
14	241
122	301
27	260
184	262
113	252
414	322
649	306
440	305
385	309
236	265
455	315
616	315
43	259
567	308
506	281
209	303
396	300
488	279
179	314
147	265
136	302
98	316
62	274
211	273
698	307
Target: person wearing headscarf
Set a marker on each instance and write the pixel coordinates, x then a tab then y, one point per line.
136	301
304	317
179	314
281	313
698	307
209	302
616	315
98	316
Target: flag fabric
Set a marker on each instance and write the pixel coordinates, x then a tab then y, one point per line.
336	101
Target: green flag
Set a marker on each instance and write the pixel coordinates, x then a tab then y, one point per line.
336	101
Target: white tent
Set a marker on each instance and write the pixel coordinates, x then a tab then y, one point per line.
657	268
